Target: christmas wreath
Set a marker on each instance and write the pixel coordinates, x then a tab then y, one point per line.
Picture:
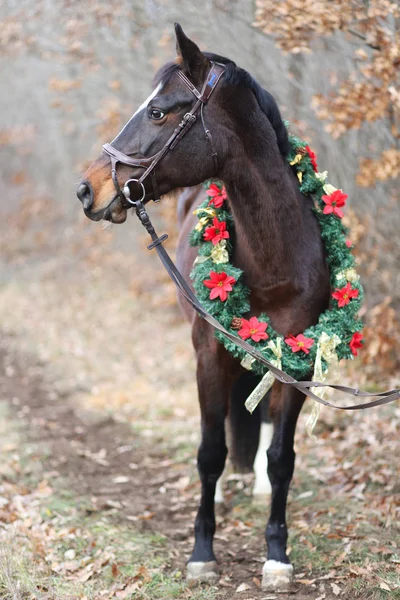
221	289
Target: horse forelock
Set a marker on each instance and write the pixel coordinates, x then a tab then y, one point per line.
165	72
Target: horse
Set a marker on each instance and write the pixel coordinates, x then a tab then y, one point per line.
241	140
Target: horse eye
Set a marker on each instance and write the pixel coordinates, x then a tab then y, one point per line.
156	114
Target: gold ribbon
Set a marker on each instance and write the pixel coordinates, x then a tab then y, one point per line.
348	275
247	362
326	349
322	176
210	212
266	382
296	159
219	255
329	189
202	222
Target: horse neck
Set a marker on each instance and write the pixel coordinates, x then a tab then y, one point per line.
268	221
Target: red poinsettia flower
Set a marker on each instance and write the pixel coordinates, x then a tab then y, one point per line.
220	285
356	343
218	196
313	158
344	295
333	203
299	342
254	329
349	243
216	232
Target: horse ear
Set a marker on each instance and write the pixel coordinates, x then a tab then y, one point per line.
194	61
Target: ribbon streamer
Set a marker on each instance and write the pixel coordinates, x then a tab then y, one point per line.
326	349
266	382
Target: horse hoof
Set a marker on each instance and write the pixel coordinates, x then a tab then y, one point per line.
203	571
277	576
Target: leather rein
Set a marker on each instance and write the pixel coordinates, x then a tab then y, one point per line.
149	165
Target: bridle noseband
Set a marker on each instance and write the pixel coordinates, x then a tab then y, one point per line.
149	164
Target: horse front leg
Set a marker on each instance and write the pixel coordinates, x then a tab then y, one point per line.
213	397
285	406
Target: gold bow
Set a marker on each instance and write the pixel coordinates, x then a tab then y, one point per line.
266	382
326	349
329	189
219	255
210	212
322	176
202	222
348	275
296	159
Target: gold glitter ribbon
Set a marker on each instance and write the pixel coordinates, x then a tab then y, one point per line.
219	255
209	211
322	176
266	382
210	214
348	275
326	349
329	189
296	159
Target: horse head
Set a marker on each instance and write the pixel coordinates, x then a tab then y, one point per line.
163	146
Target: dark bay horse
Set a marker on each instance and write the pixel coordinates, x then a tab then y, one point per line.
278	246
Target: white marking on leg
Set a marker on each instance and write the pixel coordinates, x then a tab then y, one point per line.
141	107
219	491
276	576
262	486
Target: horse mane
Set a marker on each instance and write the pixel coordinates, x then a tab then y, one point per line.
235	75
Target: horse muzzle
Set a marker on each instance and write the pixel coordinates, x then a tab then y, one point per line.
114	212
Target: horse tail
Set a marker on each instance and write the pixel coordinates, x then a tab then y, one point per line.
244	428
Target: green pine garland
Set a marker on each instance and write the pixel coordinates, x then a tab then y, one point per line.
343	321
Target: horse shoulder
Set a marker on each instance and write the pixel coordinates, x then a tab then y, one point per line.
186	200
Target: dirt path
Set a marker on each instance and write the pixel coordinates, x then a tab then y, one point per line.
145	483
138	480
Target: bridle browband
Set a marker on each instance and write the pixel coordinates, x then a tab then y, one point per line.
148	164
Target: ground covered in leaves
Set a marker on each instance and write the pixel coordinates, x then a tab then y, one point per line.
100	425
94	507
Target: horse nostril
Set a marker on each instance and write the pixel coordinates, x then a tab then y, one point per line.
85	194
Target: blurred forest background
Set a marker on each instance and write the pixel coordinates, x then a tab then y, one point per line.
81	306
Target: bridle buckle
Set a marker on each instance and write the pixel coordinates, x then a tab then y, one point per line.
189	117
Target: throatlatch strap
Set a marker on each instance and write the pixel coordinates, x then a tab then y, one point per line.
303	386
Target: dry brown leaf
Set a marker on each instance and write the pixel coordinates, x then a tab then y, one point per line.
335	589
243	587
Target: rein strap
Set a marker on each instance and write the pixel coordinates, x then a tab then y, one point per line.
303	386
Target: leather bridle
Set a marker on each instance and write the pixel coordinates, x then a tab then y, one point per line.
149	164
